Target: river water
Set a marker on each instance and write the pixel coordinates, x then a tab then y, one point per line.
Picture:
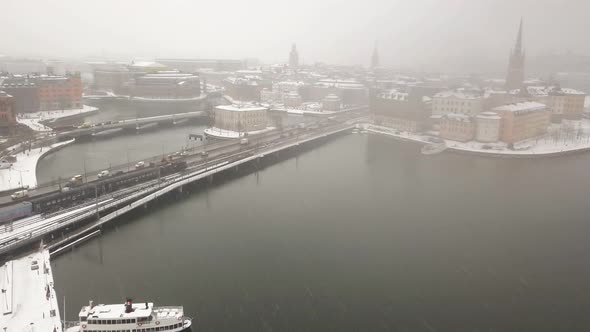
362	233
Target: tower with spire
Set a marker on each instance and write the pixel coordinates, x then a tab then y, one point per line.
375	58
293	57
515	75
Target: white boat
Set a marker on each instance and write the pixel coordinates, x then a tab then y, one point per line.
141	317
433	148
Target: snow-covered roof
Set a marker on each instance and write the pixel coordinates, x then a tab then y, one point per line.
527	106
332	97
241	108
457	117
537	91
569	91
489	115
147	64
116	311
457	94
394	95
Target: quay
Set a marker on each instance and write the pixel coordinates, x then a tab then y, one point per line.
28	302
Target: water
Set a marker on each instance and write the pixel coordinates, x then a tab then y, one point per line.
99	154
360	234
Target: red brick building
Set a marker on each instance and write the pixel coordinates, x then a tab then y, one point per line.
59	92
7	113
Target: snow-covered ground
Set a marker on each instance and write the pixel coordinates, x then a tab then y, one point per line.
570	136
29	302
229	134
33	120
24	168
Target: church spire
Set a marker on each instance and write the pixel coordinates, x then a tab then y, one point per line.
518	45
515	76
375	57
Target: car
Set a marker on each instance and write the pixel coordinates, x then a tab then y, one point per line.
19	194
204	153
103	174
140	164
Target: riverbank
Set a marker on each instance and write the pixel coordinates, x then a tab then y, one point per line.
36	120
23	172
541	147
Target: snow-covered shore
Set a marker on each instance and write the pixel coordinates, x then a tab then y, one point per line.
22	173
33	120
549	145
29	301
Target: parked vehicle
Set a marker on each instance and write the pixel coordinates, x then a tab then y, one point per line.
19	194
103	174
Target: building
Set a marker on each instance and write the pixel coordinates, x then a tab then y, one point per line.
293	57
59	92
167	85
146	67
375	58
331	103
459	102
244	88
515	75
351	92
7	113
269	96
25	93
566	103
112	77
292	100
457	127
399	110
240	118
195	65
488	127
523	120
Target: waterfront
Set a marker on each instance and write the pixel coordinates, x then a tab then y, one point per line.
362	233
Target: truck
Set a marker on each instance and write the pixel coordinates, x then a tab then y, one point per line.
244	141
76	180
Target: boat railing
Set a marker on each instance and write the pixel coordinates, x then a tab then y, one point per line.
72	323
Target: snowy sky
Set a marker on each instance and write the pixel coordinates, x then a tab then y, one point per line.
409	32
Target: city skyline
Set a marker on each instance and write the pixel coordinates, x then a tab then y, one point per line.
424	33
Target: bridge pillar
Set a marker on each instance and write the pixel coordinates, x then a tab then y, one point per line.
180	189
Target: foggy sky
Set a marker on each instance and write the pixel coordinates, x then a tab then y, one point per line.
409	32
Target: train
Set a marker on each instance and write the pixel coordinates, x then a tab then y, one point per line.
57	200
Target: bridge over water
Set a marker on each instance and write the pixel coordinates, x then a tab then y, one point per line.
62	228
136	124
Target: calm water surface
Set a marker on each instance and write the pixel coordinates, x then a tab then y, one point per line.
360	234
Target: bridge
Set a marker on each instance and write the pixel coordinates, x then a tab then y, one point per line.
135	124
63	227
